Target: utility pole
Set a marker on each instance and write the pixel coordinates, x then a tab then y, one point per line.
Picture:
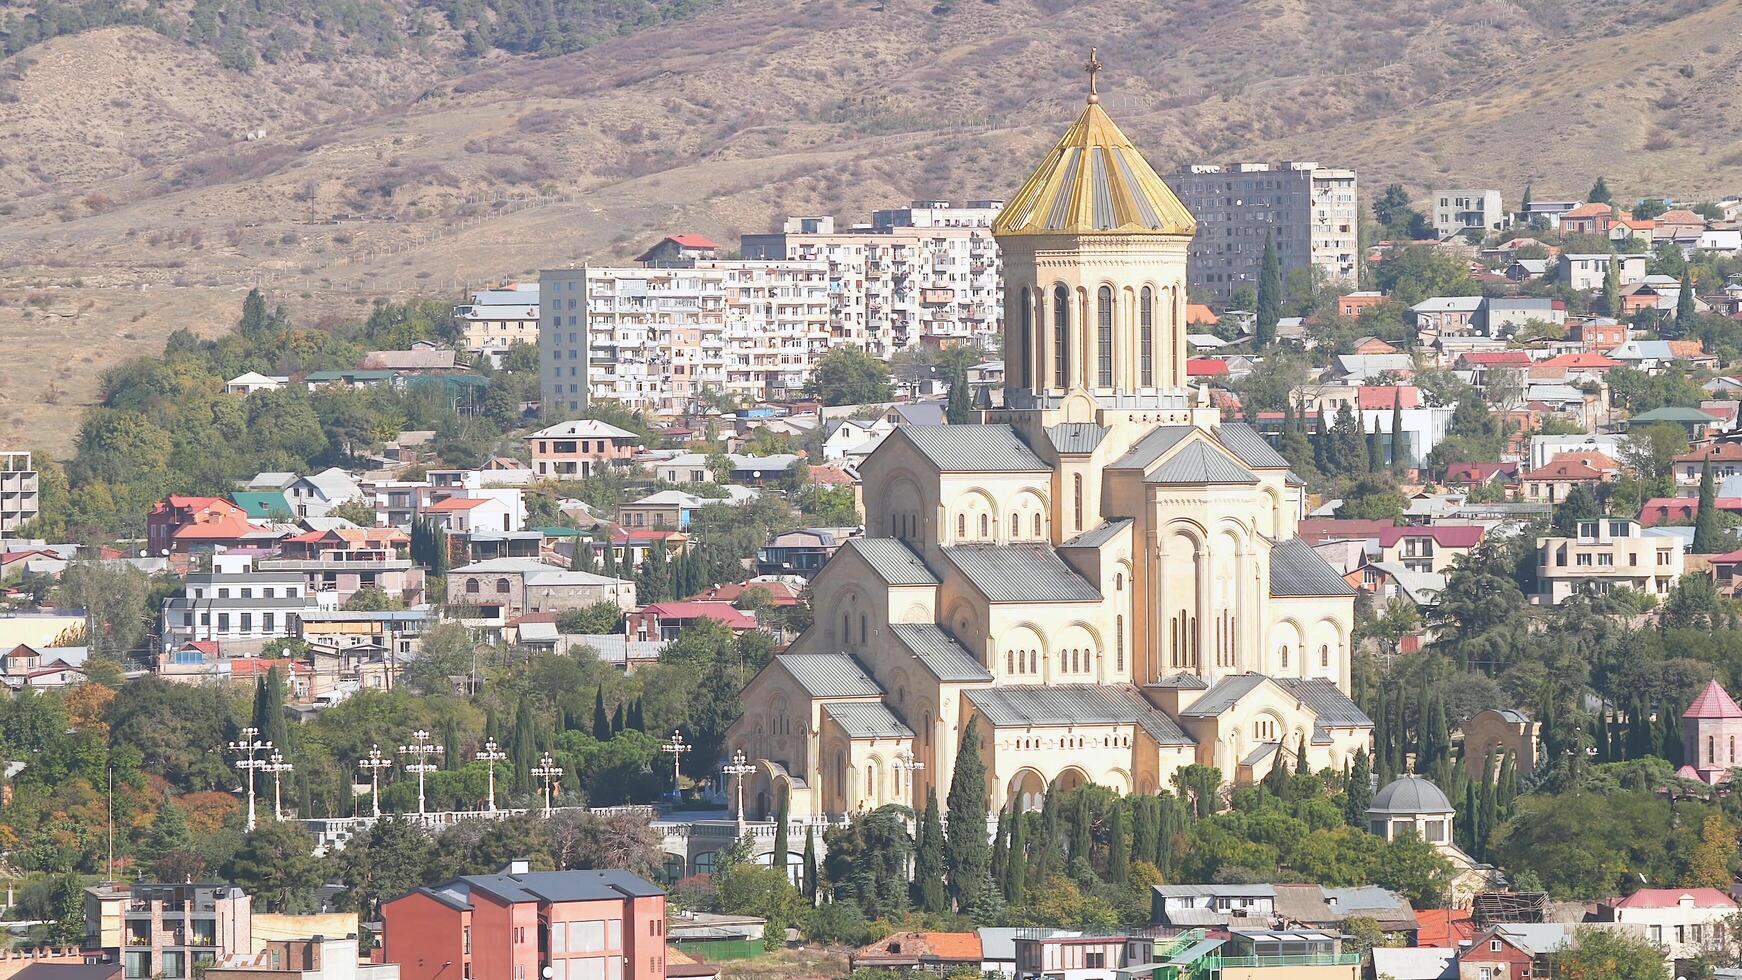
492	753
246	746
375	762
421	748
547	769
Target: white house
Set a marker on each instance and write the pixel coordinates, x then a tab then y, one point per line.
1684	921
489	510
249	383
1720	240
317	495
855	438
1588	270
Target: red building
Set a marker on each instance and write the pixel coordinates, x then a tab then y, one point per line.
521	925
665	620
182	524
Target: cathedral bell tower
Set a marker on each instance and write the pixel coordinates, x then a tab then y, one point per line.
1094	250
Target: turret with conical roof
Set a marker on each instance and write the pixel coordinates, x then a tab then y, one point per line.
1710	729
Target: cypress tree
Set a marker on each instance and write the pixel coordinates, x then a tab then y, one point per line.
1506	789
1640	739
1375	454
1016	858
1118	847
1301	766
1269	297
1000	847
608	567
1672	735
1044	859
637	716
523	747
1143	814
1489	808
810	865
1612	286
1170	820
928	858
782	845
1276	780
1399	445
1382	738
617	719
601	720
968	855
1467	825
1322	448
269	709
451	745
959	409
1359	793
1441	733
1708	539
1684	306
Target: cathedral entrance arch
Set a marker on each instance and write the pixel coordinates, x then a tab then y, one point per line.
1028	789
1070	779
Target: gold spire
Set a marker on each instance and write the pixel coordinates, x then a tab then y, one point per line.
1094	182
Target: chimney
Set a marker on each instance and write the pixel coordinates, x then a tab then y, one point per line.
518	866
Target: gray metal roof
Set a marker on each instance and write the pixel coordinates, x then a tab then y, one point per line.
829	675
1223	694
1021	573
1244	441
867	719
562	886
1181	681
892	560
1333	707
1410	793
972	448
1075	437
1095	537
1058	707
1218	891
939	651
1197	464
1150	448
1297	570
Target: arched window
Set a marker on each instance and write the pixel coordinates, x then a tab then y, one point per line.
1732	749
1282	654
1711	750
1015	525
1324	656
1146	339
1077	487
472	586
985	526
846	629
1010	663
961	525
1104	337
1034	661
870	783
1119	643
1024	340
861	627
502	587
1061	332
1037	530
1119	582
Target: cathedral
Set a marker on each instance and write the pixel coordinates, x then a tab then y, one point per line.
1104	575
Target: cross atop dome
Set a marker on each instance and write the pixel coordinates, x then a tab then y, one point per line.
1093	66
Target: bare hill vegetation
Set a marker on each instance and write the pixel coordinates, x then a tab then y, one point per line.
144	178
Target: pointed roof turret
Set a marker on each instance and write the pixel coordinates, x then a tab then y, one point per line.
1713	702
1094	182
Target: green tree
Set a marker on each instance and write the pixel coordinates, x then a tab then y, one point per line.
1600	193
1604	954
1612	286
960	408
1269	297
848	376
810	864
1580	505
269	709
1684	307
1708	539
372	598
1358	795
782	817
389	859
275	864
1415	869
928	859
968	856
594	619
115	597
1118	847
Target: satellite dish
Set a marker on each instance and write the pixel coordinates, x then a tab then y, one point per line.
545	972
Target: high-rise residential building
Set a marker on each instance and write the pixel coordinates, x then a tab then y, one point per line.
924	274
1308	211
20	502
167	930
659	339
1460	209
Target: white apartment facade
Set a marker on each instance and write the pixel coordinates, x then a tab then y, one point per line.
926	274
1309	212
20	497
236	604
1607	554
1459	209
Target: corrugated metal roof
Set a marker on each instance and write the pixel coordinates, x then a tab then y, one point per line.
829	675
1297	570
1181	681
1150	448
893	561
972	448
942	655
1021	573
1076	437
867	719
1198	464
1224	891
1244	441
1333	707
1058	707
1223	694
1095	537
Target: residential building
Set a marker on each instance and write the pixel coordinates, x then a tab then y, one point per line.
1192	906
1553	482
1351	305
521	585
1308	212
467	514
248	382
1444	315
496	319
1599	334
318	494
422	357
679	250
1462	209
1589	270
239	607
665	620
319	958
1432	548
1588	219
167	930
928	274
521	925
929	952
801	552
1605	555
574	450
180	525
1545	448
663	509
1725	459
344	560
20	499
1686	922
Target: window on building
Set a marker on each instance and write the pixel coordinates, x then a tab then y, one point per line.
1104	336
961	525
1324	656
1282	656
1024	340
1119	643
1061	330
1037	525
985	526
1077	487
1015	525
1146	339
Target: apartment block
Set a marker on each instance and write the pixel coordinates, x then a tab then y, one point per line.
1606	555
166	930
240	607
1309	212
925	274
20	502
496	319
658	339
1460	209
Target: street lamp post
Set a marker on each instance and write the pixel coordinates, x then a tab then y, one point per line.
676	746
739	767
246	746
375	762
421	748
905	762
277	766
547	769
492	753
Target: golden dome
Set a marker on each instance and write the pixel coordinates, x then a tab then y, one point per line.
1094	182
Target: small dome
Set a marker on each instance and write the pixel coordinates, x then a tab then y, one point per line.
1410	793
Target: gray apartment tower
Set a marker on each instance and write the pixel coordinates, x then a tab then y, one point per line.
1309	211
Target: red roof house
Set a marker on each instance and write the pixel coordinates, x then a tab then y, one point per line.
1206	367
177	524
664	620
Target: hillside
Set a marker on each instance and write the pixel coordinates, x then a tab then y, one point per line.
422	168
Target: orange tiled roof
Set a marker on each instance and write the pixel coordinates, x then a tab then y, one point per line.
1589	211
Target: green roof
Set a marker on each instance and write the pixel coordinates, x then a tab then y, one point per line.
262	504
1673	413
